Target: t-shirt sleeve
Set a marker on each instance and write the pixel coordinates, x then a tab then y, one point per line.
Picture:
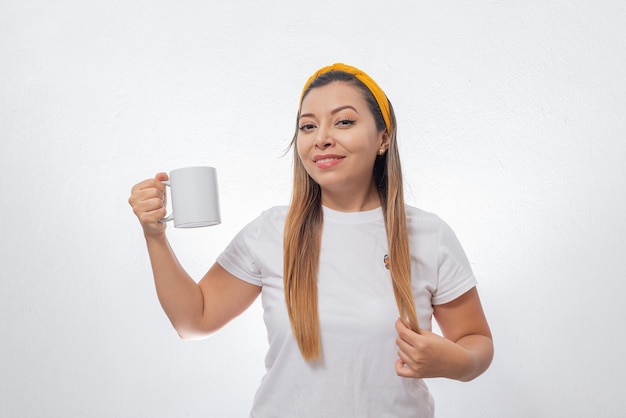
239	257
455	276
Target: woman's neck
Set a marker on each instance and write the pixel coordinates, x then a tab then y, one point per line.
351	201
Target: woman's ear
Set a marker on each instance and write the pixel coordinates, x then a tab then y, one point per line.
384	144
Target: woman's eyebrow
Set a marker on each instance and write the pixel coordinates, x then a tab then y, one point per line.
332	112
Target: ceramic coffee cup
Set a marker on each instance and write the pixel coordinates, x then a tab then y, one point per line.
195	197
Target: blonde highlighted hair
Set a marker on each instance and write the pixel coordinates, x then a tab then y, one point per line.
303	228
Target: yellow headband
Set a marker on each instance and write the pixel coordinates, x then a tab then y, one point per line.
378	93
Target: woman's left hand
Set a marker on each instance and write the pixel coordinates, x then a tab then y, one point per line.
427	354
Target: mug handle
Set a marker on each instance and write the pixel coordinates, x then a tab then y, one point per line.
169	217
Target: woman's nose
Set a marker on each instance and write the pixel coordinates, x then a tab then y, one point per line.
323	139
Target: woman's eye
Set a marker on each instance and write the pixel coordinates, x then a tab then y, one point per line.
345	122
307	127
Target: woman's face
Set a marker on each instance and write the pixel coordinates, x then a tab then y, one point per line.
337	138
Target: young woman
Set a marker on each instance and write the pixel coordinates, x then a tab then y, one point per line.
349	276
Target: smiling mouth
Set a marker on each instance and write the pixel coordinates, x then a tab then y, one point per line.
327	160
324	162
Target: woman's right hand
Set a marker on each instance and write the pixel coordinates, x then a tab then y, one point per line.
149	204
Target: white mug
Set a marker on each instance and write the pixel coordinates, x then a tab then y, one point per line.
195	197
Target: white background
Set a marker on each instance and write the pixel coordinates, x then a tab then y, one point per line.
512	123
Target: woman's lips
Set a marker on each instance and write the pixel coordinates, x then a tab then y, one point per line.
327	161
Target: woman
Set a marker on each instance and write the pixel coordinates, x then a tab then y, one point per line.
349	276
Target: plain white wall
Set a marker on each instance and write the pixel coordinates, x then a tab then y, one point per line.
512	121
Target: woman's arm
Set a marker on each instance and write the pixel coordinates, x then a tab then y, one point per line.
194	309
463	353
197	309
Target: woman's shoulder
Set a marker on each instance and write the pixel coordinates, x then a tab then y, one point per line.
426	223
271	217
269	222
277	213
421	217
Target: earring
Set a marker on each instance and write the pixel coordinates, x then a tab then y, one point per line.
381	151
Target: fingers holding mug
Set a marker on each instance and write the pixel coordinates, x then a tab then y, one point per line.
148	200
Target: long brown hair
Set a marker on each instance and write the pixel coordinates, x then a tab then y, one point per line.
303	230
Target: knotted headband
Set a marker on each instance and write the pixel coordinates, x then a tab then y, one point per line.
378	93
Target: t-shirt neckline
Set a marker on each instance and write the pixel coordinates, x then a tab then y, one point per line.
365	216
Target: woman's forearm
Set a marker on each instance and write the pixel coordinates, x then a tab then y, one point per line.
479	349
179	295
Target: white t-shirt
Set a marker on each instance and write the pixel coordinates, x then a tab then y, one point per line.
356	375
